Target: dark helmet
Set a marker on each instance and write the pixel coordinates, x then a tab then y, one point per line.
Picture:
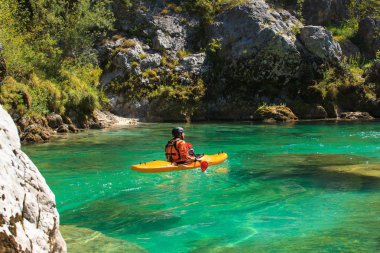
177	131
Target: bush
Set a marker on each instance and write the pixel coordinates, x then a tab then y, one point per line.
15	97
178	101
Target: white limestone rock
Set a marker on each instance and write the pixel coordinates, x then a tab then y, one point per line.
29	220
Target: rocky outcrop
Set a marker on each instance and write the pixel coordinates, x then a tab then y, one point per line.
133	61
274	114
107	119
369	36
259	53
321	44
356	116
256	44
255	54
167	30
34	129
29	220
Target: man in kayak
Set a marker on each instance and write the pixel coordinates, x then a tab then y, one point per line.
177	150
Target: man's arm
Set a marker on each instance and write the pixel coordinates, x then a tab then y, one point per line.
184	153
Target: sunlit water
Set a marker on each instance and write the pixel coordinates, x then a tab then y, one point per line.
283	189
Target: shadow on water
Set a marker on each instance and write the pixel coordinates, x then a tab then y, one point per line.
331	171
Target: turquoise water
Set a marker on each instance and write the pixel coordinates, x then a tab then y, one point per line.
285	188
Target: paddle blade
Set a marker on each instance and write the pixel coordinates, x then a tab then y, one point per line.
204	165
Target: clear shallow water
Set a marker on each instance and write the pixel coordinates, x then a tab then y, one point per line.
283	189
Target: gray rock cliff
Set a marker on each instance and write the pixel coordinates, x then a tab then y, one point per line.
29	220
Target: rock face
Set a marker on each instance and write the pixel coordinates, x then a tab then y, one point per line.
134	61
255	54
321	12
320	43
258	45
262	53
369	35
29	220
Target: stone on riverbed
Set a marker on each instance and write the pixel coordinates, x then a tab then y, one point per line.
368	170
87	240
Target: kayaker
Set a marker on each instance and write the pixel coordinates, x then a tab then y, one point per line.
177	151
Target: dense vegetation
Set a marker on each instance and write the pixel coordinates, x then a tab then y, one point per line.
50	62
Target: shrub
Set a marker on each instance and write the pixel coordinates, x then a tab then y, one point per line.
182	54
15	96
215	45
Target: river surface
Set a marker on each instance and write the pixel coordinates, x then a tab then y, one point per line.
305	187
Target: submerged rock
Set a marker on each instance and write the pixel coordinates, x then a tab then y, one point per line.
29	220
87	240
368	170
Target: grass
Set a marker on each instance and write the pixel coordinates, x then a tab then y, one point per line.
348	30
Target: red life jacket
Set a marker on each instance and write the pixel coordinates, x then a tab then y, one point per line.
172	152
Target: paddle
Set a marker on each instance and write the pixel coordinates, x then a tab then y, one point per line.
204	166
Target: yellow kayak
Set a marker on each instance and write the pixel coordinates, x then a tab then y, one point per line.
164	166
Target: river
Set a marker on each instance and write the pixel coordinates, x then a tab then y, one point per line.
304	187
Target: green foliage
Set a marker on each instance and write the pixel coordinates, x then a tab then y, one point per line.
182	54
208	9
79	87
15	96
300	10
51	66
347	30
296	29
179	100
367	8
215	45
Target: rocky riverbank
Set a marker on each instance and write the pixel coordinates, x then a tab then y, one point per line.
202	60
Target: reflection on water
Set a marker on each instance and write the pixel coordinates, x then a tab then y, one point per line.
285	188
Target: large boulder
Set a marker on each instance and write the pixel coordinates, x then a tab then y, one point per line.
320	43
29	220
257	49
257	43
34	129
274	114
369	36
168	30
356	116
54	120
